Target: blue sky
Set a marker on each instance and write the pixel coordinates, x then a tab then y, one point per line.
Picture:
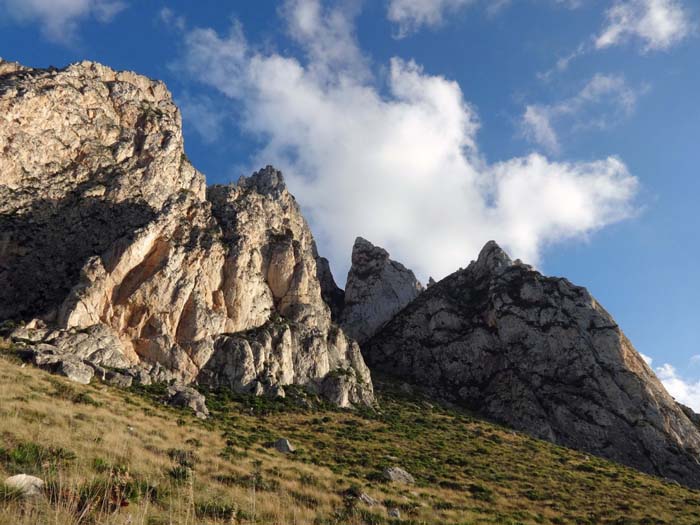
567	130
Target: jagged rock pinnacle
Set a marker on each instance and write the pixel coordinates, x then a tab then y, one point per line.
492	259
377	288
267	181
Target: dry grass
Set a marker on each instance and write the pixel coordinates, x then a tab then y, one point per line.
119	457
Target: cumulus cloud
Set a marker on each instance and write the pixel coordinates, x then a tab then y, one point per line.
59	19
398	164
657	24
411	15
683	391
602	101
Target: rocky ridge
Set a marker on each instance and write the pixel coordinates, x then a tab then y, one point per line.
541	355
117	263
111	237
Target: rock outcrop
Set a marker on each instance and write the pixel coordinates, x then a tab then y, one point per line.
377	289
540	355
111	245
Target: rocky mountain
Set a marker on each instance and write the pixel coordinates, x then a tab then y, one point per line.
377	289
541	355
117	262
109	235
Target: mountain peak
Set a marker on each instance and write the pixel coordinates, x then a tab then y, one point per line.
377	289
492	258
267	181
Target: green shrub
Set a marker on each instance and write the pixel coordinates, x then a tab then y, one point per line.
480	492
29	457
184	458
179	473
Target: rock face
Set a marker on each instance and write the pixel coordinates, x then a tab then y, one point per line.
377	289
110	238
541	355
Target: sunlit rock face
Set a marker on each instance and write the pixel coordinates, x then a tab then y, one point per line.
540	355
104	222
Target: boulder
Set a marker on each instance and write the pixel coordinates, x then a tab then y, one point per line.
28	486
397	475
183	396
284	446
66	365
368	500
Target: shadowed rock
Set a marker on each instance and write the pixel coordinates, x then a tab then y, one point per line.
541	355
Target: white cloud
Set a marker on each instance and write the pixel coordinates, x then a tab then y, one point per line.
658	24
537	127
601	102
683	391
411	15
170	19
59	18
647	359
398	164
201	113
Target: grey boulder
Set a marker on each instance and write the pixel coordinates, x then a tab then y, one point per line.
398	475
284	446
28	486
183	396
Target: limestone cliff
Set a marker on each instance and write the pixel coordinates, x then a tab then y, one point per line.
541	355
104	223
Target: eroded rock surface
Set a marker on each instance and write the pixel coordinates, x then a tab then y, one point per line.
541	355
113	251
377	289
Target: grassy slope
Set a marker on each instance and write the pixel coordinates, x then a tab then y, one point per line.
114	456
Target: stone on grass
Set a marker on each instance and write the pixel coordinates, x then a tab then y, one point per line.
187	397
398	475
66	365
283	445
28	486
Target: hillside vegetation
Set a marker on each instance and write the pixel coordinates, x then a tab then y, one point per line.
121	457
